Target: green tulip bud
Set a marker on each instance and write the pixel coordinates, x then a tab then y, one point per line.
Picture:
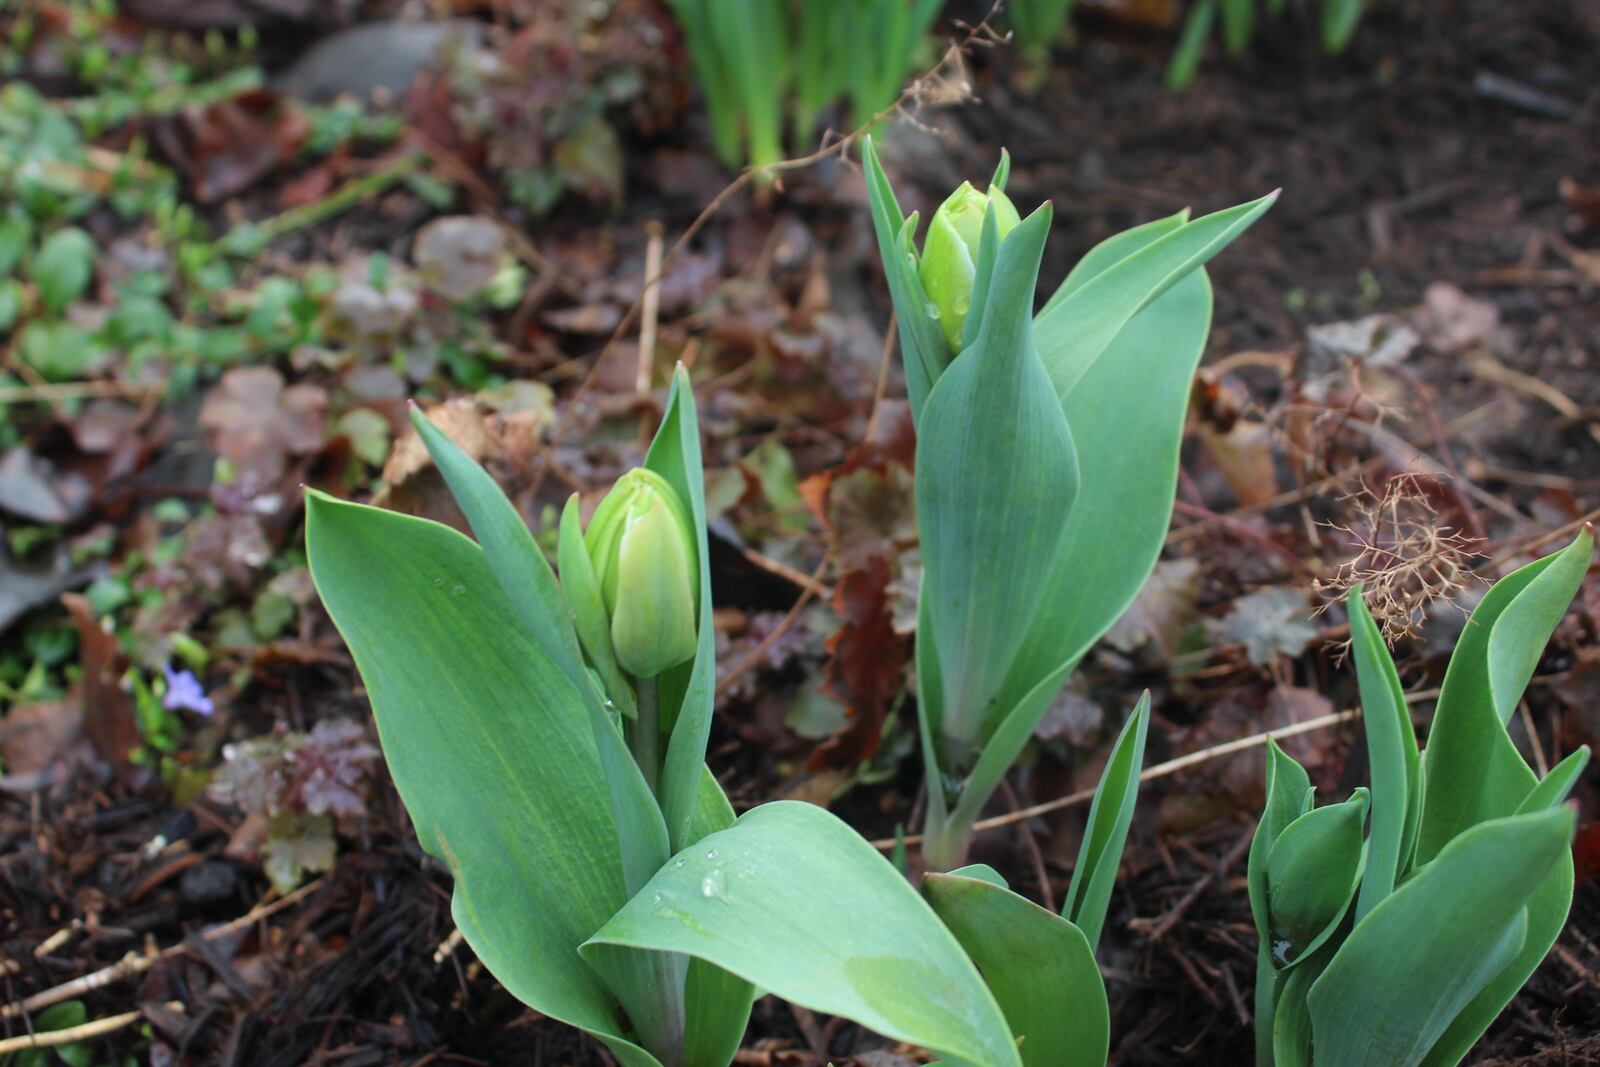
1313	871
950	254
642	545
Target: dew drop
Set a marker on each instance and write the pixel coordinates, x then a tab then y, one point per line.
711	855
439	580
678	864
932	309
712	884
656	899
457	589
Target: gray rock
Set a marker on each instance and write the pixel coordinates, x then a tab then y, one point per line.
374	55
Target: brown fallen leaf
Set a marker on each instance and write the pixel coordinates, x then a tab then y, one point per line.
225	147
37	742
108	715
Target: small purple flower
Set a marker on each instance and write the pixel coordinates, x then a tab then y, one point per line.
184	691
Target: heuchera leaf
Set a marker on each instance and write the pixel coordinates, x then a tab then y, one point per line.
795	902
1424	953
1039	966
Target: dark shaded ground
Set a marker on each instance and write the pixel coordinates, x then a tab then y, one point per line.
1397	173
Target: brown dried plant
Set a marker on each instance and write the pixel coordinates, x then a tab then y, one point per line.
1406	559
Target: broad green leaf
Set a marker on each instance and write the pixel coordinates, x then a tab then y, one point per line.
1126	417
983	873
529	586
1039	966
1111	251
923	351
1113	537
62	267
1474	771
1288	1035
588	610
490	747
1471	769
1555	786
1288	797
1312	874
687	692
1095	874
795	902
1073	333
996	476
1392	752
1423	954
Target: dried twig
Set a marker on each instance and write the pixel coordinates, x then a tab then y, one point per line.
73	1034
133	964
1160	770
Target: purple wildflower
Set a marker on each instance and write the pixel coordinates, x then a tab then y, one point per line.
184	691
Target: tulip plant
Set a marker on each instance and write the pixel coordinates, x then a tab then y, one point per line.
547	735
1396	925
1047	457
757	59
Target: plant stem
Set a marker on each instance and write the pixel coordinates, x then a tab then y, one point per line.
945	836
644	731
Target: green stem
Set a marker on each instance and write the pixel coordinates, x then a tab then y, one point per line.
945	836
644	731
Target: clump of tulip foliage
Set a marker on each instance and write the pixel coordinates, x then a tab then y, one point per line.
1047	457
1396	925
546	727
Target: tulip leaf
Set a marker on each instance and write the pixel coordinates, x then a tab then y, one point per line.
1039	966
491	748
1311	876
1556	785
1471	769
588	609
1423	954
687	691
1110	816
529	586
1474	771
1289	796
996	476
1392	752
854	938
1289	1036
1076	330
923	349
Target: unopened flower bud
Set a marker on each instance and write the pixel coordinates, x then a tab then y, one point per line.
642	545
950	254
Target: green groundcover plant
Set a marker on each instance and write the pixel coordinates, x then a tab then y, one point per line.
1395	926
548	738
1047	457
